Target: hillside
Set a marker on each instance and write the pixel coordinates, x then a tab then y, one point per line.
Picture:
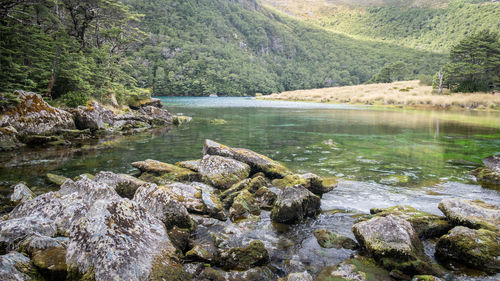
421	24
201	47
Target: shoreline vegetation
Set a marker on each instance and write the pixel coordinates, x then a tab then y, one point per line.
408	94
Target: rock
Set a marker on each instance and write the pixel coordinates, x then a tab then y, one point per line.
244	205
37	140
188	195
425	278
328	239
119	240
146	102
425	224
157	116
493	163
33	116
294	204
21	194
222	172
13	231
124	185
93	116
229	194
487	177
8	138
159	202
213	206
255	254
55	179
265	198
180	119
179	238
201	253
192	165
17	267
168	172
253	274
298	276
477	248
393	242
471	213
51	262
310	181
395	180
357	268
258	162
218	121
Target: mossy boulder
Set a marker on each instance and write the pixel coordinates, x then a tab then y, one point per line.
222	172
188	195
167	270
213	205
258	162
165	171
471	213
51	262
203	253
55	179
192	165
357	268
312	182
93	116
392	241
244	205
265	198
329	239
20	194
243	258
39	140
477	248
295	203
425	224
8	138
487	177
156	116
138	103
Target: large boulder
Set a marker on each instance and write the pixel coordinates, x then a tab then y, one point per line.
157	116
152	169
471	213
13	231
33	116
477	248
258	162
93	116
15	266
295	203
393	242
298	276
222	172
21	194
243	258
356	269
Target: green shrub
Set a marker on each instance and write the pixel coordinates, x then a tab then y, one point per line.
74	99
8	100
425	80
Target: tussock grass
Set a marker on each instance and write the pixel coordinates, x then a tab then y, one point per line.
401	93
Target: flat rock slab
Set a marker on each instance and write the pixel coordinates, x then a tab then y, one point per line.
471	213
222	172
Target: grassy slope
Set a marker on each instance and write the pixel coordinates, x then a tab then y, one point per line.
423	24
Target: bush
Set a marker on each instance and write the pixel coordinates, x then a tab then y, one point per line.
74	99
425	80
8	100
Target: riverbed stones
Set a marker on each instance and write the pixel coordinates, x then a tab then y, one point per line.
258	162
222	172
16	266
357	268
167	172
393	242
471	213
21	193
295	203
329	239
125	185
425	224
13	231
477	248
243	258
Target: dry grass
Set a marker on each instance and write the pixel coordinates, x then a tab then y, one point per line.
402	93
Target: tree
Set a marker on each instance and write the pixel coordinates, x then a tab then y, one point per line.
390	72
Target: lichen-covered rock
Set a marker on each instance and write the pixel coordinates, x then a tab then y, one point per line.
244	205
471	213
255	254
55	179
222	172
203	253
487	177
253	274
167	171
329	239
425	224
393	242
477	248
158	201
213	205
192	165
310	181
229	194
298	276
258	162
295	203
119	240
51	262
33	116
146	102
158	116
265	198
15	266
354	269
93	116
13	231
124	185
21	194
8	138
493	163
188	195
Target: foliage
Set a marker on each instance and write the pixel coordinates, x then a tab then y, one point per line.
8	100
390	72
425	80
74	99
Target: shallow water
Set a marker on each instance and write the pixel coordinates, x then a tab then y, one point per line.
383	158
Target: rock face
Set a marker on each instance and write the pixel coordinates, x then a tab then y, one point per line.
295	203
33	116
393	242
328	239
255	254
21	194
222	172
93	116
357	268
473	214
16	266
476	248
258	162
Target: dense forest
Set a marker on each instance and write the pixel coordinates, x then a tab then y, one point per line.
72	50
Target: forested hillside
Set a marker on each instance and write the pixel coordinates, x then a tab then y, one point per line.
421	24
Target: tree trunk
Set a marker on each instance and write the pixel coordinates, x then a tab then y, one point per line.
440	75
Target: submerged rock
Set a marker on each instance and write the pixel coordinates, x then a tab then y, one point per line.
477	248
222	172
167	172
295	203
393	242
258	162
16	266
21	194
425	224
471	213
425	278
328	239
255	254
357	268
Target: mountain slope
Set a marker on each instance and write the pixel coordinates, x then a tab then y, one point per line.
200	47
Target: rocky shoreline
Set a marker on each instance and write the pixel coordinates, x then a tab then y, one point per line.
183	221
33	122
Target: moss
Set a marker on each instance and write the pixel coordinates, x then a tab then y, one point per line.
51	262
244	204
199	253
290	180
357	268
328	239
255	254
487	178
425	278
180	119
55	179
218	121
167	270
